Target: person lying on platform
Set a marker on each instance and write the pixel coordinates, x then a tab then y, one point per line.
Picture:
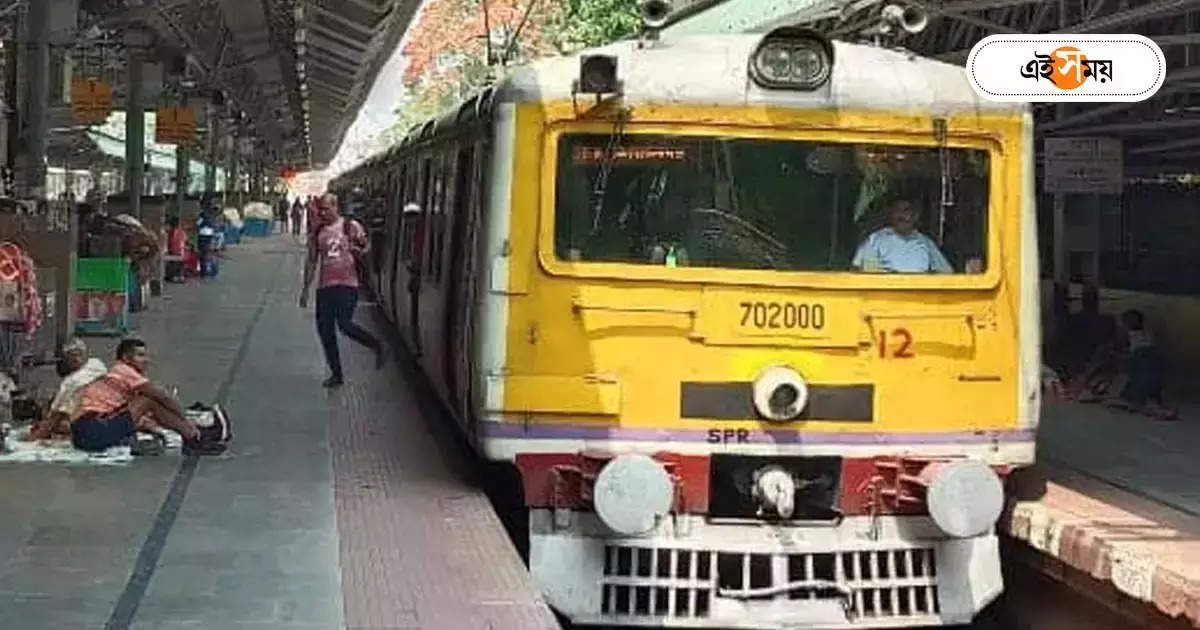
123	401
77	371
1140	384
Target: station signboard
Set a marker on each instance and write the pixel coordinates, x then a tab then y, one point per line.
91	101
175	125
1083	166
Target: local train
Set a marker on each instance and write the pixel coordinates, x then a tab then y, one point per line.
755	316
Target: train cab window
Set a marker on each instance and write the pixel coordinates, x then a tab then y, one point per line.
787	205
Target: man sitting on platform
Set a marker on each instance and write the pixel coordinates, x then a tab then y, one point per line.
119	403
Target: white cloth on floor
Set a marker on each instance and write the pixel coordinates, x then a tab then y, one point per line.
62	452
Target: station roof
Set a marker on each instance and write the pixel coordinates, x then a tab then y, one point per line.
292	73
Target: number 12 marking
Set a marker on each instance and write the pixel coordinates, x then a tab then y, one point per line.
903	351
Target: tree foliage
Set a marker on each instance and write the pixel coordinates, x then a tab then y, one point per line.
447	50
585	23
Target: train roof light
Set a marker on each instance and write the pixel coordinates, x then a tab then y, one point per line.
598	75
792	58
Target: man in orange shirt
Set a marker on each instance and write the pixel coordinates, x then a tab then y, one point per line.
113	407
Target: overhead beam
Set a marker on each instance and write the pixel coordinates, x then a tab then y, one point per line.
1182	39
1168	145
328	63
975	21
1149	126
334	42
983	5
1148	11
367	31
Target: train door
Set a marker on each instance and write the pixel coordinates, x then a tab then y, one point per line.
373	213
403	269
417	268
433	299
391	244
456	345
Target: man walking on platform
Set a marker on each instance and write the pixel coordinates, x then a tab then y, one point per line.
332	255
297	216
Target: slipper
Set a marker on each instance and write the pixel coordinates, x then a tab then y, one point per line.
147	444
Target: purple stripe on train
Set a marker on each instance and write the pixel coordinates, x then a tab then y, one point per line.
583	432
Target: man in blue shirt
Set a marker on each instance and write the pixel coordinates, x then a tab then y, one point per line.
901	248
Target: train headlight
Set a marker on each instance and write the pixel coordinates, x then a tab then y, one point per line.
794	59
965	498
780	394
631	493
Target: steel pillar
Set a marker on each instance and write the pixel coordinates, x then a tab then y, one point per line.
38	102
135	122
256	184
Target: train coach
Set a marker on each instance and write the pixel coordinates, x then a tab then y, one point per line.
755	316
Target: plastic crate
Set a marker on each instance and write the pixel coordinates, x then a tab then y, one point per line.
256	228
102	274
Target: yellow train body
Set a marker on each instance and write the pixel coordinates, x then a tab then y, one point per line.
682	420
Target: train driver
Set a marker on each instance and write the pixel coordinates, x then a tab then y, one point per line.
900	248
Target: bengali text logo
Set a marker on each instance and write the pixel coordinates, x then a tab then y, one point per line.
1079	68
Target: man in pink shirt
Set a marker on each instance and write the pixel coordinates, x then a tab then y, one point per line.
337	244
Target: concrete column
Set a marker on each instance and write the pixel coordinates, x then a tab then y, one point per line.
256	186
214	134
38	103
182	176
136	42
233	187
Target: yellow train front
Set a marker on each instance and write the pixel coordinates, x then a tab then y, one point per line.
754	316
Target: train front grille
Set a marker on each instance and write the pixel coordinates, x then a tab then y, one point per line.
642	583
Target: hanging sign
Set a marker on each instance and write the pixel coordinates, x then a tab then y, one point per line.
1083	165
175	125
91	101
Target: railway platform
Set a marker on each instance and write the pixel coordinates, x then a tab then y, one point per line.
351	508
1113	510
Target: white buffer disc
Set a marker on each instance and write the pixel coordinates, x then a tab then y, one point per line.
632	492
965	499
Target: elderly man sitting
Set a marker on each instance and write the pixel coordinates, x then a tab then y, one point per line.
77	370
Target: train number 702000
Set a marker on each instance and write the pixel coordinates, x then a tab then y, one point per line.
783	315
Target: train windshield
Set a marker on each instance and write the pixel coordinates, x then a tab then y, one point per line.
751	203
